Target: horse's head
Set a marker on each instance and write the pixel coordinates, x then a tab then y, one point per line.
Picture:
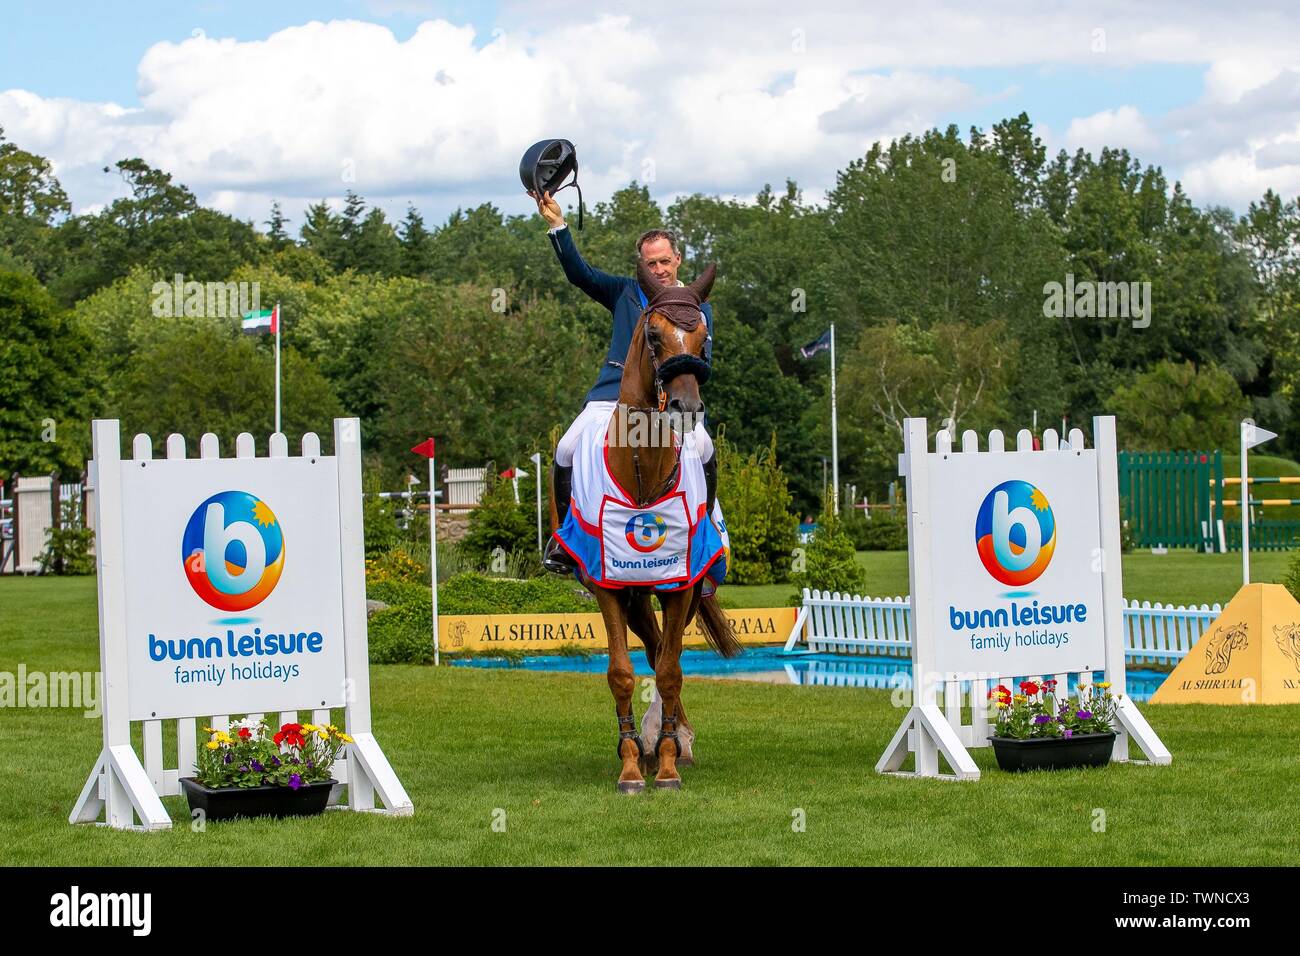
676	336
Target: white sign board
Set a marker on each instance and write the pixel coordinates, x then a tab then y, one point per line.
228	586
1016	563
233	602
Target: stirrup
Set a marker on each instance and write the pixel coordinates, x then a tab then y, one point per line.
557	560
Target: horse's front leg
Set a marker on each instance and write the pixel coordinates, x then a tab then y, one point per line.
621	684
668	681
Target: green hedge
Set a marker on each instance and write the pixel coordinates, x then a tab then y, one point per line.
884	532
473	593
402	632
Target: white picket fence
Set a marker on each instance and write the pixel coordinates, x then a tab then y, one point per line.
831	622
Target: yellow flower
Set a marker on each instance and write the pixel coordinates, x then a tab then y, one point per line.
345	738
1003	705
322	733
1020	698
213	745
223	737
310	728
209	730
1103	684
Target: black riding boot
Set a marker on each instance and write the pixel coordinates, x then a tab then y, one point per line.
711	482
555	558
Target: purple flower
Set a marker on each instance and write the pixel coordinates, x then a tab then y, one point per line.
295	782
1069	732
1042	719
275	761
226	759
258	766
311	764
243	770
1084	715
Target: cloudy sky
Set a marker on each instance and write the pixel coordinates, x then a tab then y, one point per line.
433	103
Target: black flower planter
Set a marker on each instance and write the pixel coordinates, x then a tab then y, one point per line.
226	803
1053	753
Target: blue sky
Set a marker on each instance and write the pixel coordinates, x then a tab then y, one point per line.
243	103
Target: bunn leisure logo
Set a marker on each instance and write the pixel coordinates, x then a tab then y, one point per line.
233	550
1015	532
646	532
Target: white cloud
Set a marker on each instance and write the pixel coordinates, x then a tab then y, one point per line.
718	100
1124	127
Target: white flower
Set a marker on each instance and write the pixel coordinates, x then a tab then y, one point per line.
250	723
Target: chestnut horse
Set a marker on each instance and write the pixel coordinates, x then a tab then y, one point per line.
661	373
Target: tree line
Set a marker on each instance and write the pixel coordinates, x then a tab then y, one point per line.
933	255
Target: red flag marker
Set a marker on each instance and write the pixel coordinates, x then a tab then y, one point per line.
425	448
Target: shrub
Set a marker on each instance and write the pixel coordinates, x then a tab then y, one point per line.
473	593
1291	581
885	531
67	547
402	634
755	500
830	561
497	523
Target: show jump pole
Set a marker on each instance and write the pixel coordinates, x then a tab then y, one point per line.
835	436
1251	435
426	448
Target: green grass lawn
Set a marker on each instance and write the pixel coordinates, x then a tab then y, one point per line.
1179	577
468	743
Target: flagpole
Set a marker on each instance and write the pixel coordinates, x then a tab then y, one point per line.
276	315
537	483
1245	511
835	436
433	553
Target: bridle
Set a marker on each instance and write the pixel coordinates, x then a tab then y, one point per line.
665	372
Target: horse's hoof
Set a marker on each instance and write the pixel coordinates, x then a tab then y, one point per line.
631	786
671	783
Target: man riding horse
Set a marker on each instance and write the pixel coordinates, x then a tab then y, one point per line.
625	300
642	518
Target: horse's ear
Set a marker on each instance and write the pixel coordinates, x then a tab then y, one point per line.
646	280
704	282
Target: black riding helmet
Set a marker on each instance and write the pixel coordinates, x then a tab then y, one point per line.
546	165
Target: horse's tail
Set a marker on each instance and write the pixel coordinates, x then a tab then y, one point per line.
717	629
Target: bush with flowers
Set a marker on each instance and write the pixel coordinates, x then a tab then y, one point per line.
249	755
1036	712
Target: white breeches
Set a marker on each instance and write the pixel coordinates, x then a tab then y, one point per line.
698	438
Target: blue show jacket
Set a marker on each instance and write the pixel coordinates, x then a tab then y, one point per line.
625	301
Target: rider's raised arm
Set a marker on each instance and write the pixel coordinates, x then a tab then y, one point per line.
601	286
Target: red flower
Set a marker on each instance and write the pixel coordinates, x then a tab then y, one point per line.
245	732
1029	687
1001	693
290	734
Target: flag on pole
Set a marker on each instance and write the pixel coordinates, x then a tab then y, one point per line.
1252	434
817	345
425	448
513	473
255	323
